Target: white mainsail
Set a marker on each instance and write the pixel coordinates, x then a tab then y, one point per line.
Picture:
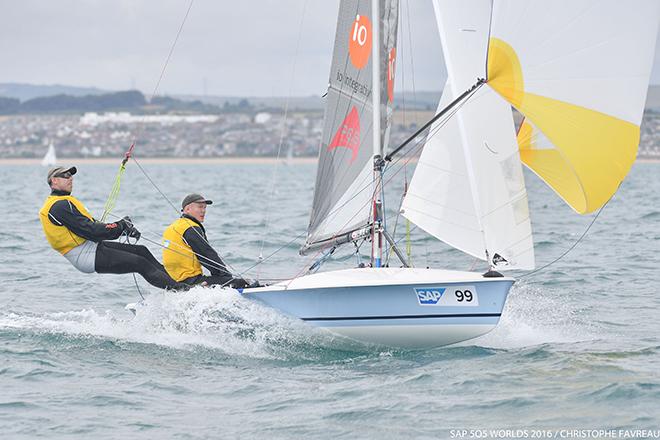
50	158
468	189
343	192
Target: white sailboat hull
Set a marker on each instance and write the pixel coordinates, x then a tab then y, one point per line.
395	307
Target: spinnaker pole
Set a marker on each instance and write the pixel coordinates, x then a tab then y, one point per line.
480	82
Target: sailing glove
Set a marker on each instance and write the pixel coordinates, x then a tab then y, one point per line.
129	228
134	233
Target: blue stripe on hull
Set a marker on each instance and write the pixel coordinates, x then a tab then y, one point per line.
359	318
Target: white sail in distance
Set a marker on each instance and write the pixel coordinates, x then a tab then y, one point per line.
49	158
343	192
468	189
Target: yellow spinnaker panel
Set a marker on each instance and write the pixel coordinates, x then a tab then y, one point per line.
593	151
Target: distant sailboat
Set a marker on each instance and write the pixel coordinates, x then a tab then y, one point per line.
289	156
50	158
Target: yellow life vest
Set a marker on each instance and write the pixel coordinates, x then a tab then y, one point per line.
178	257
60	237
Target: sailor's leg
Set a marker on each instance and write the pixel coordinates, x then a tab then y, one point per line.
136	249
118	258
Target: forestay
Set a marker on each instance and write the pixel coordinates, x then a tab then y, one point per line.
343	192
579	72
468	189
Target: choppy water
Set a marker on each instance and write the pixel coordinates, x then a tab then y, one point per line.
578	345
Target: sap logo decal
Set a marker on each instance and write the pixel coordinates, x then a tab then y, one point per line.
429	296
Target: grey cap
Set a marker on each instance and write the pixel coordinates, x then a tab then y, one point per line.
57	171
194	198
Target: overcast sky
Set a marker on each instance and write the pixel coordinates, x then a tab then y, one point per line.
237	48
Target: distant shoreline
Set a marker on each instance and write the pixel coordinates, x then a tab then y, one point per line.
165	160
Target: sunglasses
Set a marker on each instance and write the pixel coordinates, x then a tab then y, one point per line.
66	175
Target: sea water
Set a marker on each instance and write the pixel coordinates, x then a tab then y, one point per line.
577	351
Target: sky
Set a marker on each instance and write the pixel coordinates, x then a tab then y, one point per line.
227	48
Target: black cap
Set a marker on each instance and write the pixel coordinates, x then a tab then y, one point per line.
59	171
194	198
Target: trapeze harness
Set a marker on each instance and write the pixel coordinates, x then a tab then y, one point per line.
186	250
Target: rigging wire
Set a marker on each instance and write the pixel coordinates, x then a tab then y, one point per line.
416	119
282	135
188	253
114	193
525	275
155	186
417	143
545	266
199	234
115	190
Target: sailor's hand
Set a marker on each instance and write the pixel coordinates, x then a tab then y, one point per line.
238	283
125	223
129	228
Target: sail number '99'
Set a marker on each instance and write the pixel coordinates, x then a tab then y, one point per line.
447	296
463	295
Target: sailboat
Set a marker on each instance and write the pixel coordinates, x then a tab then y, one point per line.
49	159
288	161
578	72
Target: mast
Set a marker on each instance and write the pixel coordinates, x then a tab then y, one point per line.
377	236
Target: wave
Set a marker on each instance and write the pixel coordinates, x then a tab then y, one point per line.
221	320
232	326
651	215
534	316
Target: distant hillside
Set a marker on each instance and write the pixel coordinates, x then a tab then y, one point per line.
23	92
421	100
131	101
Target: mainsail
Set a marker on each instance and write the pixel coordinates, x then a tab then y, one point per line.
343	192
468	188
578	70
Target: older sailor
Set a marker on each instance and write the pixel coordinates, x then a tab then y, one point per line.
186	249
73	232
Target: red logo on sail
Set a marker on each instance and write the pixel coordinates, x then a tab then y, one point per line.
359	41
348	134
391	60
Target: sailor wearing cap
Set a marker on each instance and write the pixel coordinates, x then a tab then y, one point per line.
186	248
73	232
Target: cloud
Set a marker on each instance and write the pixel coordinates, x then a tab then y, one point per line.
226	48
